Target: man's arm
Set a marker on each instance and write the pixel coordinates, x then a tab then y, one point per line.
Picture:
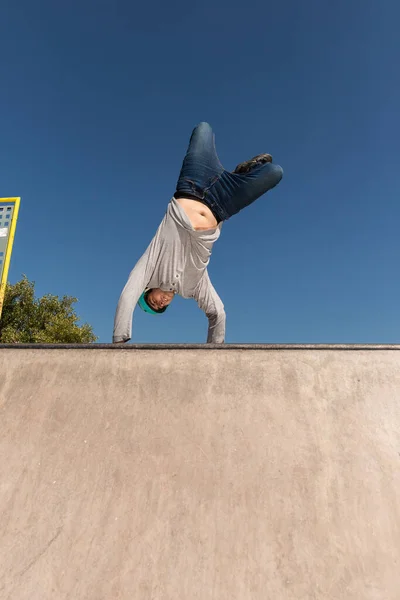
134	288
209	301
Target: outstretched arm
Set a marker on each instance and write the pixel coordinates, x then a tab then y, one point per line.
135	286
209	301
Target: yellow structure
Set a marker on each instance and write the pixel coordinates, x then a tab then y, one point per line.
9	209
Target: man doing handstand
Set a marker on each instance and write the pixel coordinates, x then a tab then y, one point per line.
176	260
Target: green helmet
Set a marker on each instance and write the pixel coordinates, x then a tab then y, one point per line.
144	306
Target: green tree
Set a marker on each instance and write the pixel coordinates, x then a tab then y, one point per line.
50	319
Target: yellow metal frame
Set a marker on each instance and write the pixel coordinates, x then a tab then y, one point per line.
10	242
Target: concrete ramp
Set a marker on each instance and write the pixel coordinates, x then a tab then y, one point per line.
200	473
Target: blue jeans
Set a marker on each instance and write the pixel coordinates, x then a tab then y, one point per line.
203	177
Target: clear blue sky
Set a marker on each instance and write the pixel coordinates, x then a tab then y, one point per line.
98	100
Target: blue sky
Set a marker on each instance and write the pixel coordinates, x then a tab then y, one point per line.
98	100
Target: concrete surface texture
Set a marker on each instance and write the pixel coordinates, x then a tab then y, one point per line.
184	474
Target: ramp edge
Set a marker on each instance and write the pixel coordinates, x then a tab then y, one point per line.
132	347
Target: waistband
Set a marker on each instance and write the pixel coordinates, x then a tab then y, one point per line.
202	200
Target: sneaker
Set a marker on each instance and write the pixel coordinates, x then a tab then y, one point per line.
257	161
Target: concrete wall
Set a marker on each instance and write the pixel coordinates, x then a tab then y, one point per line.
185	474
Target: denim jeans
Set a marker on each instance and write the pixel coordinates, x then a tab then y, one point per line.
203	177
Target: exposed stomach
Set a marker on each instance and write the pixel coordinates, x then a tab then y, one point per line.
199	214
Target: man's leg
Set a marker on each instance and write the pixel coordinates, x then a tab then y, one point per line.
201	165
203	177
234	191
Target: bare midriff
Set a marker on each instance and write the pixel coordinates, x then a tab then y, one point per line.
199	214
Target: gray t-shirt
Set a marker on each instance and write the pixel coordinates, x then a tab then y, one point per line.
176	260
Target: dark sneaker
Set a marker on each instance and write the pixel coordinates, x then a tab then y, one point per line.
249	165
